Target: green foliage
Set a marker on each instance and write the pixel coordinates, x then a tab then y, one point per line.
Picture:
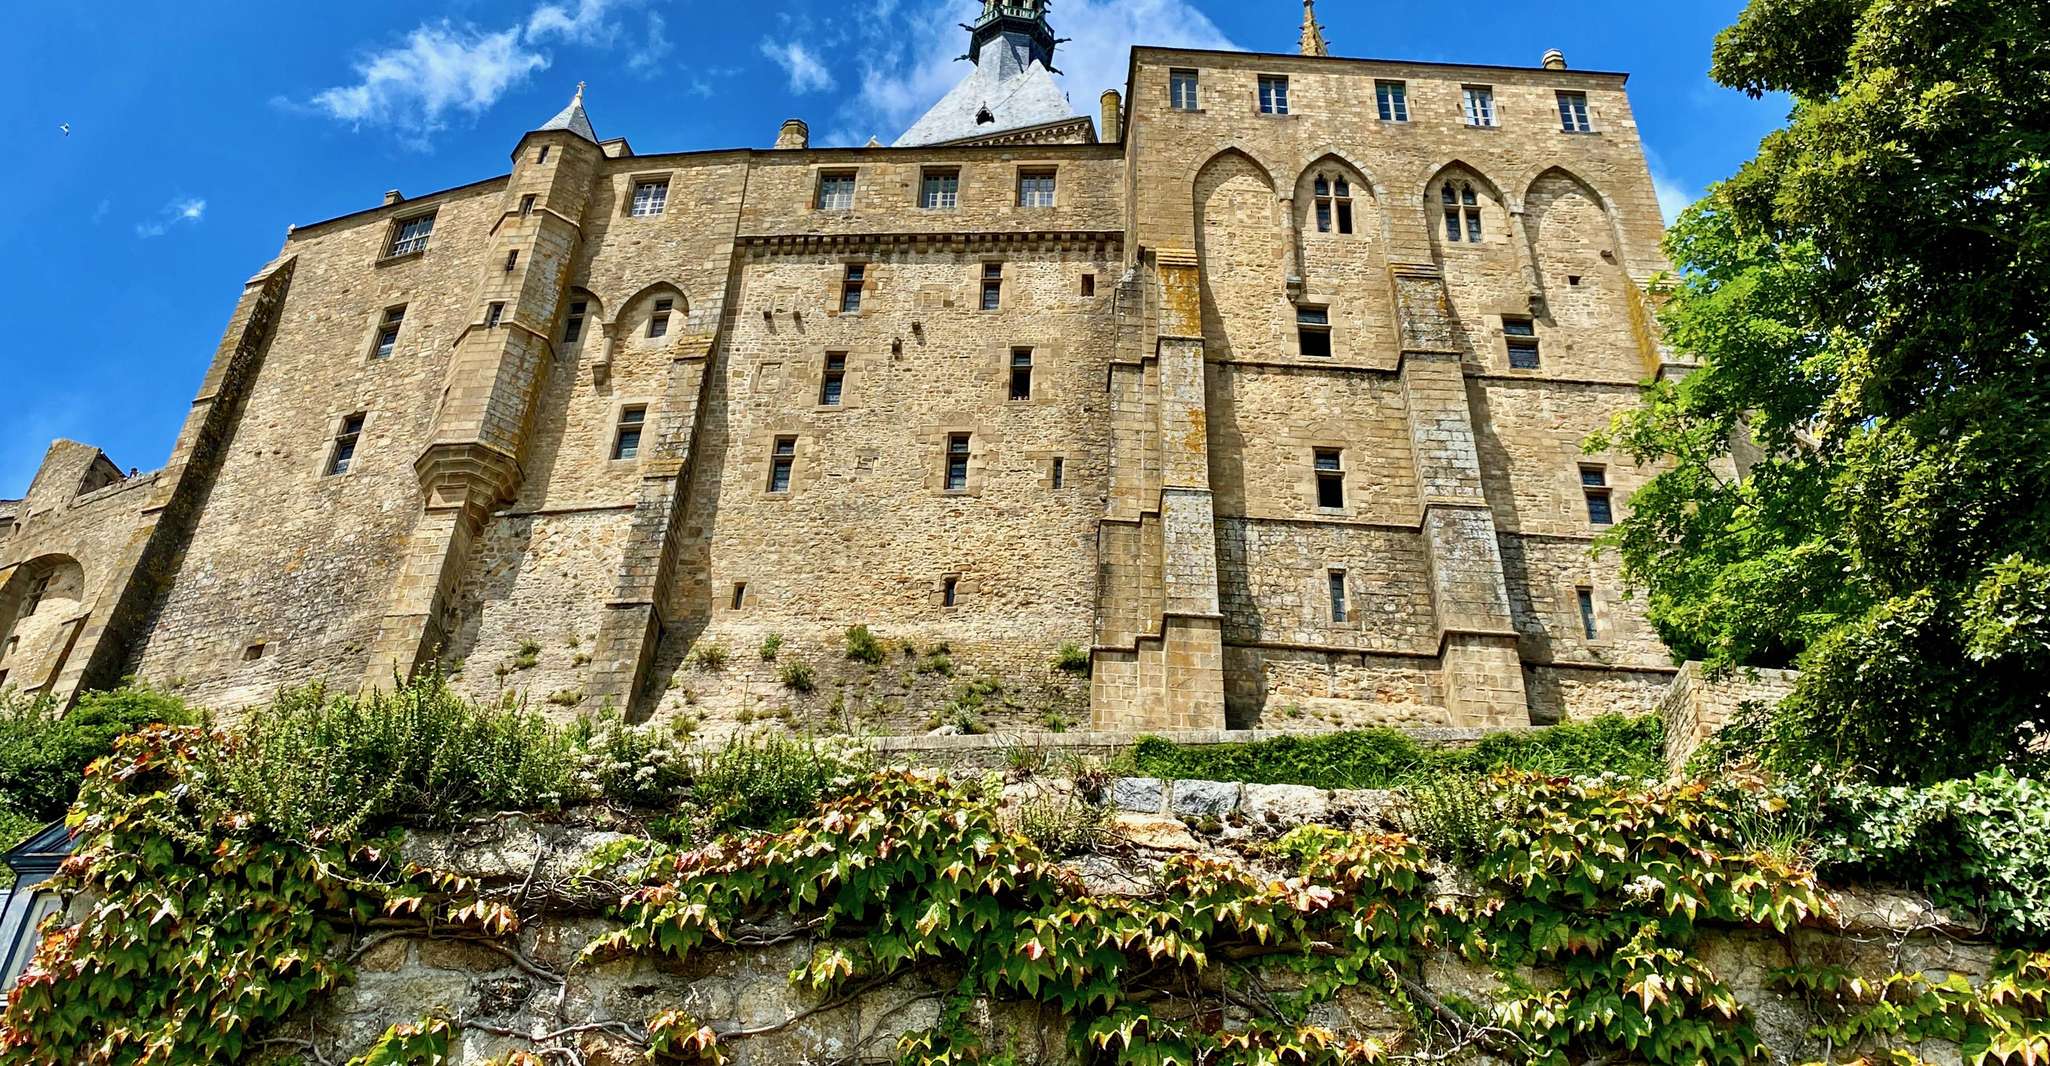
2006	1018
1868	299
44	751
796	676
422	1043
1386	758
1977	844
319	760
772	645
1454	816
863	647
1071	658
208	927
708	656
637	765
1060	825
764	780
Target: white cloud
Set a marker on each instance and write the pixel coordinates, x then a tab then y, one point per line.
182	211
439	68
911	47
806	73
443	68
1673	196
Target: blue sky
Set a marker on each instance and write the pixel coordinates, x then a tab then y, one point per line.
200	129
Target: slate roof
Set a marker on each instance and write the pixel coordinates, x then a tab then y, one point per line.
1009	83
573	119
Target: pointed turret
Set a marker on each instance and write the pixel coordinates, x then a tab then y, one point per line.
1012	86
1313	34
573	119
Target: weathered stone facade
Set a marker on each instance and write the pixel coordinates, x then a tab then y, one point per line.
642	406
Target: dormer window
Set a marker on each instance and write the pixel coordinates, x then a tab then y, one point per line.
984	118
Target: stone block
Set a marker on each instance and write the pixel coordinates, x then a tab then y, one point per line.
1143	795
1196	799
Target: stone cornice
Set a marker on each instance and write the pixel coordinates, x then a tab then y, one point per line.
808	243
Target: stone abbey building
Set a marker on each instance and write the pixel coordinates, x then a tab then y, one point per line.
1266	386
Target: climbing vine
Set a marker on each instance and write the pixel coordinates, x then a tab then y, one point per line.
202	934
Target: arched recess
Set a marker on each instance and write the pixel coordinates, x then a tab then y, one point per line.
631	323
40	605
1342	237
1471	241
1588	291
1241	243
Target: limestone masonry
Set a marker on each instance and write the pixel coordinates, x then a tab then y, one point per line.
1265	388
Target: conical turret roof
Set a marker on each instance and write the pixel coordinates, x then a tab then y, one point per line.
573	119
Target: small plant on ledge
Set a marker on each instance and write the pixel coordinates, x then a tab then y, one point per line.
797	677
710	658
772	646
1071	658
863	647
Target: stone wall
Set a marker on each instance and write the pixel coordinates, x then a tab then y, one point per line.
1698	704
530	991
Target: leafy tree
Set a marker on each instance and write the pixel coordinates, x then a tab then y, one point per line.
1867	299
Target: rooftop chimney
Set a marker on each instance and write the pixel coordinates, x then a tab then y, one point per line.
1555	60
795	134
1113	116
392	196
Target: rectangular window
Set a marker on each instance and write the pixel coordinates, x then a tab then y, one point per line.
1273	94
1594	482
512	260
1573	113
835	379
850	288
957	462
494	314
1587	620
527	205
950	591
1333	196
836	191
1021	373
739	595
410	236
1088	284
36	592
626	441
940	190
650	198
1336	581
573	328
542	157
782	460
388	333
1060	472
1393	96
344	452
658	322
1480	105
1181	90
1330	478
1035	188
252	653
1313	331
992	286
1521	336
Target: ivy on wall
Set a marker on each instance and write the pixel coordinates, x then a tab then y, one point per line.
206	930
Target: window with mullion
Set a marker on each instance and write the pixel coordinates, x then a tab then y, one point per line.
1393	99
650	198
940	190
1273	95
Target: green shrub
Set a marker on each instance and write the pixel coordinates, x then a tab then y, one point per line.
763	781
44	751
1061	825
315	760
797	676
637	765
863	647
709	657
772	646
1388	758
1452	815
1071	658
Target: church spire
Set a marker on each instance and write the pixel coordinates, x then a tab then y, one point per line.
1313	34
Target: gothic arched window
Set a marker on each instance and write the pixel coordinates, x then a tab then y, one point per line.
1334	204
1462	212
